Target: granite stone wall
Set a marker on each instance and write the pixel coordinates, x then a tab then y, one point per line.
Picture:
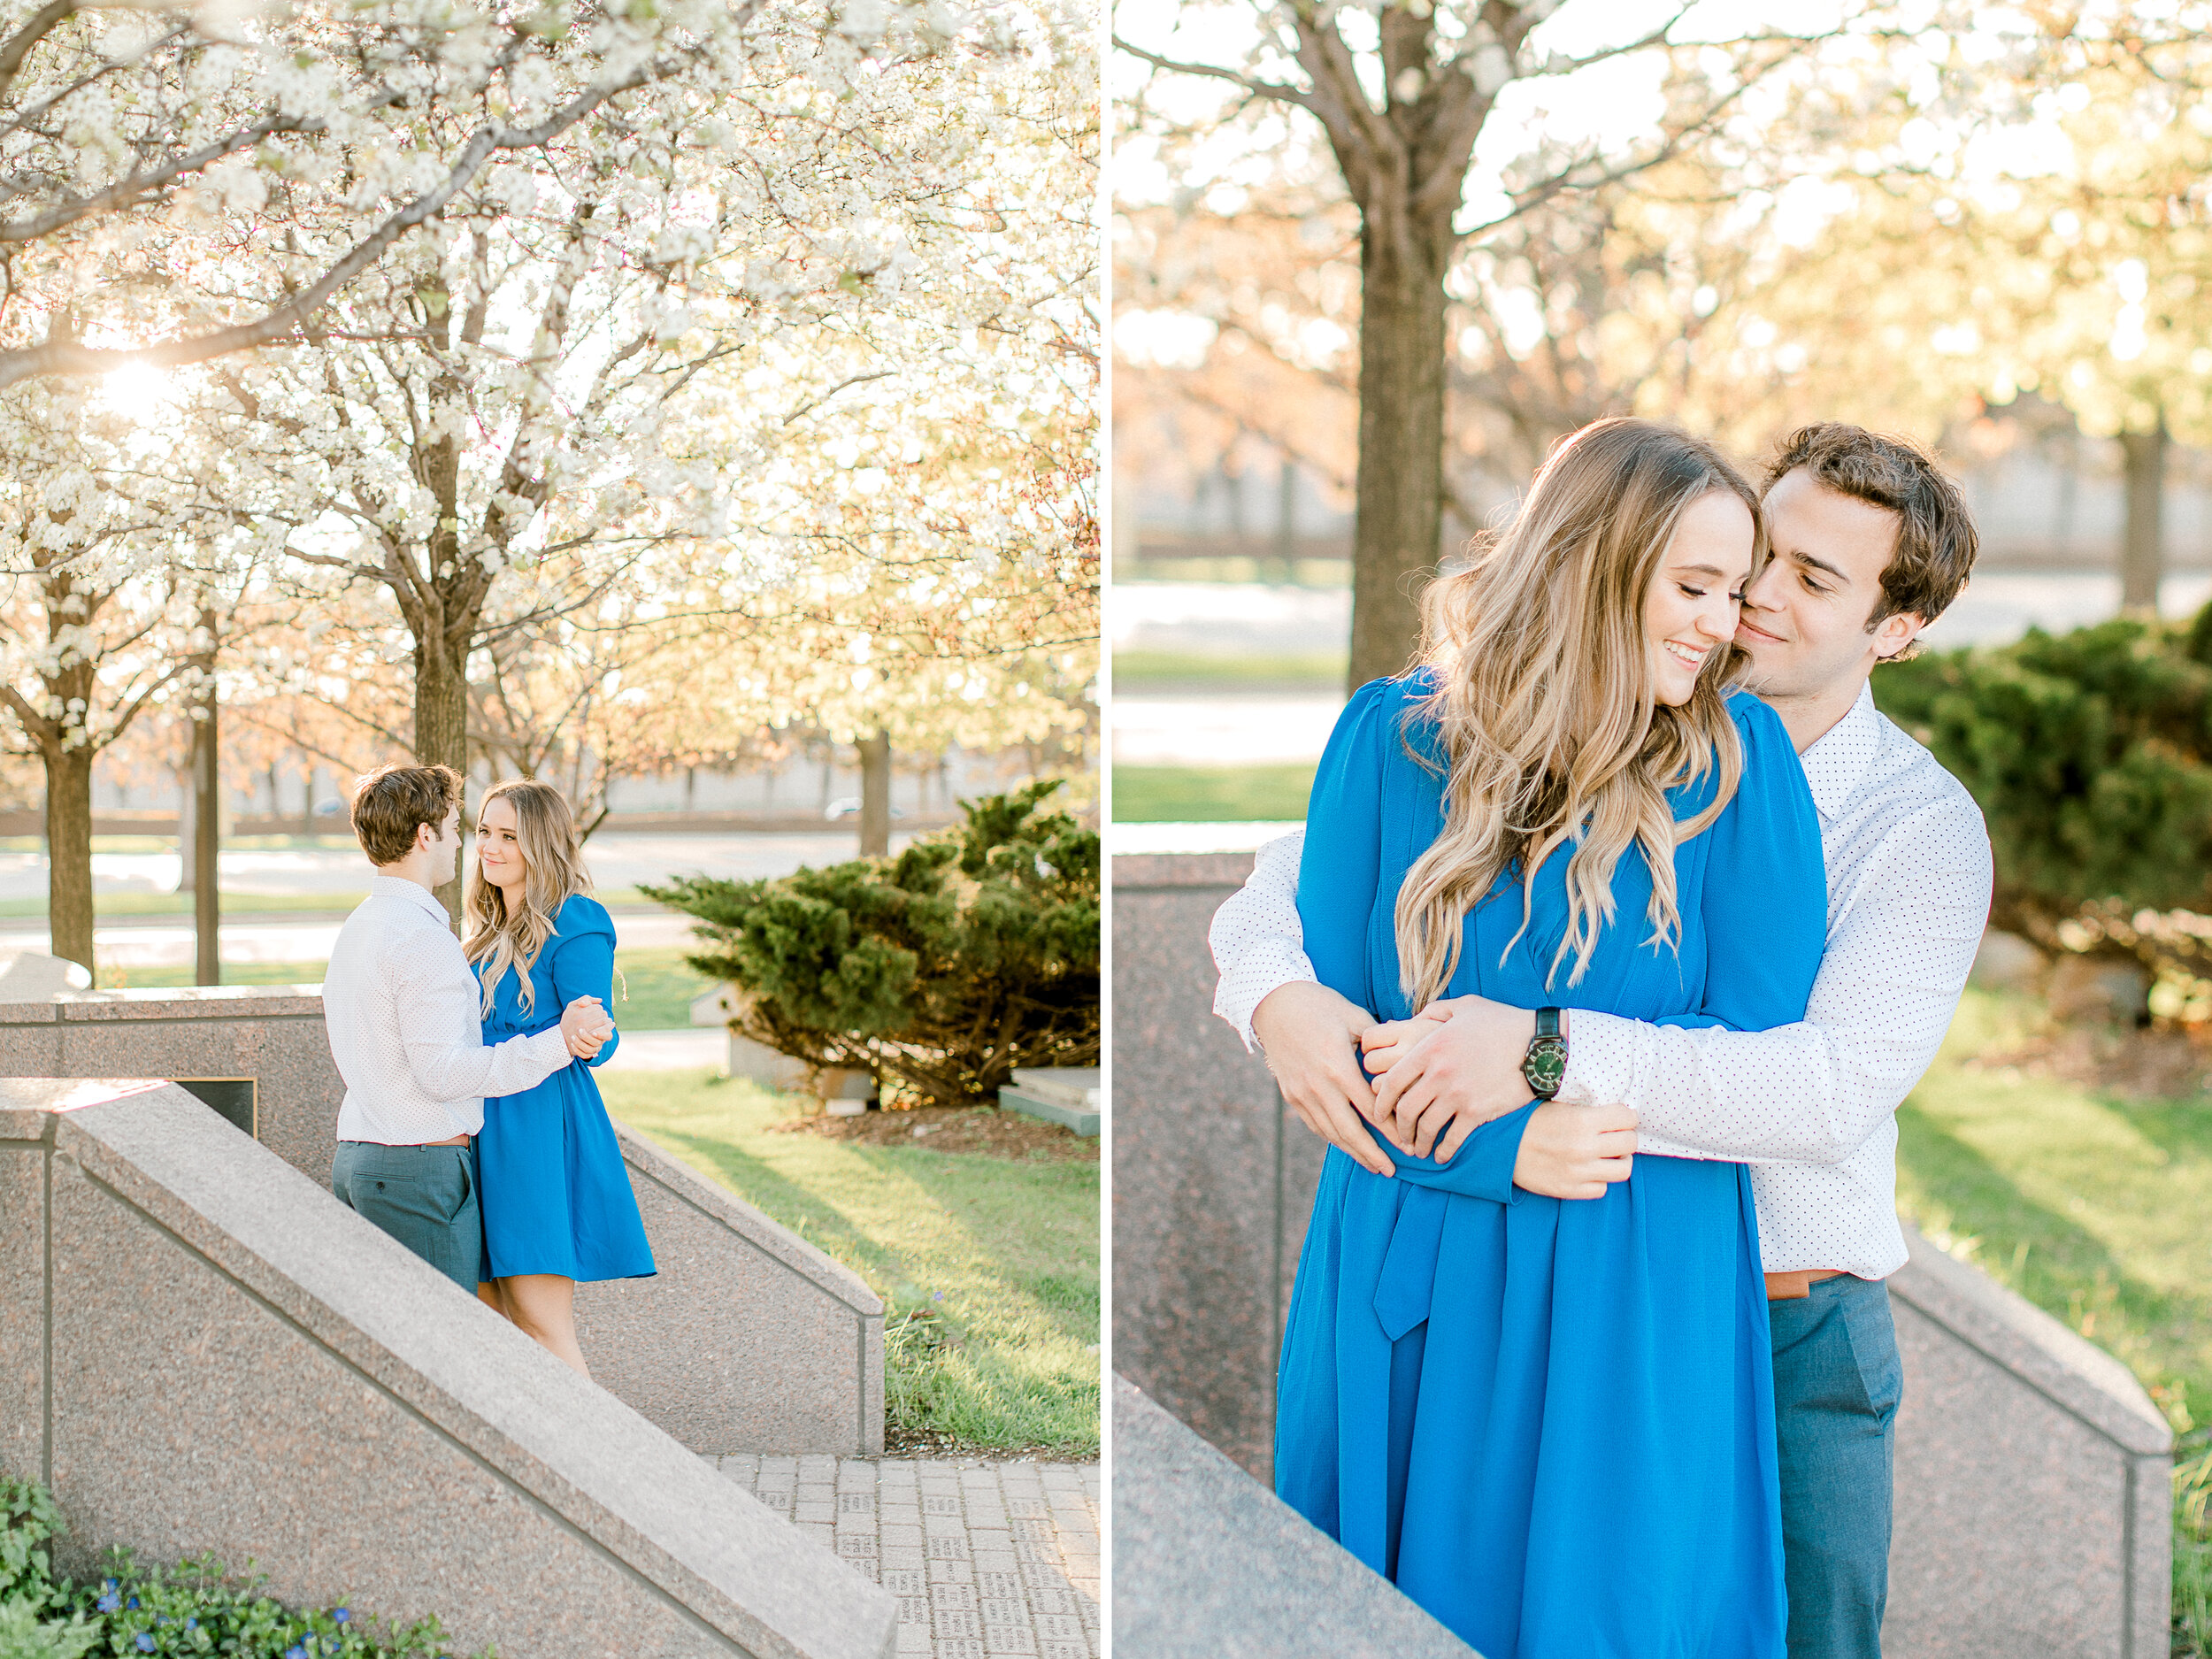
2032	1469
1211	1564
1213	1176
200	1351
748	1340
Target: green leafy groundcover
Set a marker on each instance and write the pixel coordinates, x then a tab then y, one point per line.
192	1608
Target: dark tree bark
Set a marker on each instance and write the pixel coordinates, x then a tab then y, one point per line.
875	795
1398	529
66	748
69	852
2143	539
1402	118
441	702
207	817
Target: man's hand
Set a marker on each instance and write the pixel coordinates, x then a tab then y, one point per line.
1574	1151
1312	1035
1455	1066
585	1027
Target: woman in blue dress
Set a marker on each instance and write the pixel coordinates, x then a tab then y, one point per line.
555	1197
1548	1416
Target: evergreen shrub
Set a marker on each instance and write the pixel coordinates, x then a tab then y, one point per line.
2091	755
971	953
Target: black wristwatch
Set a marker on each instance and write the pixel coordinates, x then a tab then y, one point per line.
1545	1065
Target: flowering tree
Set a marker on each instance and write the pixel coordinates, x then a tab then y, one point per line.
143	142
1402	92
105	599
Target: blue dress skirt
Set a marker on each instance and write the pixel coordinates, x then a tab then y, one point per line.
1550	1423
550	1176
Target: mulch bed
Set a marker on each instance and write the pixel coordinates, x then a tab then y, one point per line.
980	1129
903	1442
2166	1061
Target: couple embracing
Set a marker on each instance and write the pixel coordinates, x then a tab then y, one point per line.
472	1130
1619	927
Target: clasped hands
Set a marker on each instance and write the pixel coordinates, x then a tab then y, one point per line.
585	1027
1440	1076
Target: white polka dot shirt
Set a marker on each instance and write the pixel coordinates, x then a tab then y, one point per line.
400	1006
1810	1107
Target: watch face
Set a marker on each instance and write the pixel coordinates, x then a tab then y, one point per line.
1546	1066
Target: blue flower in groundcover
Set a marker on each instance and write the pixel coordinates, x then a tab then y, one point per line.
342	1614
109	1602
132	1603
295	1652
145	1642
192	1624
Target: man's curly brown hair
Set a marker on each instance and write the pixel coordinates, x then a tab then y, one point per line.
390	804
1936	538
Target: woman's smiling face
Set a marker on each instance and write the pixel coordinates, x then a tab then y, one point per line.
498	851
1697	595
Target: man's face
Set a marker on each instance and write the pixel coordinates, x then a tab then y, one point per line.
445	848
1804	617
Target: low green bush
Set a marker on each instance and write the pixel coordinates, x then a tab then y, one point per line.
2091	755
192	1608
972	952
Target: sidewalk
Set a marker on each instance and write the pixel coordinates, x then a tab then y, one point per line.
989	1561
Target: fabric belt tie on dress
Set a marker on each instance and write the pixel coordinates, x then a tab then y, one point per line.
1407	1284
1798	1283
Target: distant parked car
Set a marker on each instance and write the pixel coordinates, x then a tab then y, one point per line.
848	806
331	809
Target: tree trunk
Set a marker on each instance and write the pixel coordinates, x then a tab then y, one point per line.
1398	517
442	708
185	808
69	854
875	795
2143	543
207	819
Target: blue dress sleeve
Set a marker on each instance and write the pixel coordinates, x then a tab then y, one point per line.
1765	906
583	954
1338	876
1765	912
1342	860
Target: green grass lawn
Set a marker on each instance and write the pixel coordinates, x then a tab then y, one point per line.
660	987
1209	794
113	978
2093	1205
1302	670
181	904
988	1267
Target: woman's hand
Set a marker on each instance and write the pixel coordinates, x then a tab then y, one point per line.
1312	1035
1576	1151
1451	1068
586	1026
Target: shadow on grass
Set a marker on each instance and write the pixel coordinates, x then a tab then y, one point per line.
2053	1262
783	1200
2181	1129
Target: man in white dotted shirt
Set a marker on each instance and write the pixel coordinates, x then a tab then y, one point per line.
400	1004
1871	542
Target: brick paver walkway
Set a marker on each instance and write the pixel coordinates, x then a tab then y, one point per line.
989	1561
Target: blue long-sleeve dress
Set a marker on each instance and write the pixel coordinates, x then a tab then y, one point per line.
1550	1423
549	1175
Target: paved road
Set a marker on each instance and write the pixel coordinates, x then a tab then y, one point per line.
986	1558
616	861
1240	728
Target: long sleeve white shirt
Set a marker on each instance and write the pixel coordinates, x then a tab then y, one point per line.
402	1009
1809	1107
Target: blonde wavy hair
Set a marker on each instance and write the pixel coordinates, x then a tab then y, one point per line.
1543	694
553	868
